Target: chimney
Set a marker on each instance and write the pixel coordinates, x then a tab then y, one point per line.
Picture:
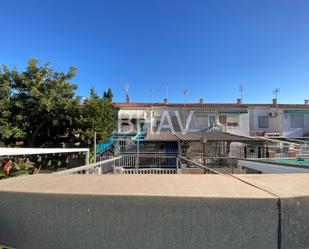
239	101
201	101
128	98
306	101
165	101
275	102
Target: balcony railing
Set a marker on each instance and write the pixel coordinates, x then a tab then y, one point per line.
156	164
103	167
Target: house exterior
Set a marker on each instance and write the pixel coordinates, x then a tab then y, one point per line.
291	120
231	118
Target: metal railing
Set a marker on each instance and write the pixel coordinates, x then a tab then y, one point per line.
156	164
236	150
147	161
149	171
186	164
129	164
103	167
133	149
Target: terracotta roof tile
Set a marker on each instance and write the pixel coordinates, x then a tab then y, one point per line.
208	105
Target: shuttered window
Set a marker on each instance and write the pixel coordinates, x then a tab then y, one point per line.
297	121
263	122
201	121
233	120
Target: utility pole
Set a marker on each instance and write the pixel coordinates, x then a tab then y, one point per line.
95	147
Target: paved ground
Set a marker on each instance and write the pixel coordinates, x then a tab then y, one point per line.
135	185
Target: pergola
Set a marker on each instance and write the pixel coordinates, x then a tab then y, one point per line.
212	144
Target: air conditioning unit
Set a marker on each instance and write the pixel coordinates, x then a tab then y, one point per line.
272	114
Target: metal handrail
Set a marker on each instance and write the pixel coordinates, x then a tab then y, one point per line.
200	165
88	166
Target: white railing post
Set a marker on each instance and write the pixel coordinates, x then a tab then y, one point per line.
90	167
87	158
137	156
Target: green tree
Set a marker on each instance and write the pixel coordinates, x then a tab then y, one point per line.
42	100
9	129
39	107
108	94
97	115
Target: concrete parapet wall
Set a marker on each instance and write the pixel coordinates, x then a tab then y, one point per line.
150	211
293	193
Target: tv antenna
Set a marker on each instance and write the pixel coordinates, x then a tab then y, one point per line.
276	92
151	92
185	92
166	90
127	87
241	90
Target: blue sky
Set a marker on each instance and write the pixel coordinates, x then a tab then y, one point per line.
207	47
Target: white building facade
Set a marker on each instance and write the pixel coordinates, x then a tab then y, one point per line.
285	120
232	118
290	120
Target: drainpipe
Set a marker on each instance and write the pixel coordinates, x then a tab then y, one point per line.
151	119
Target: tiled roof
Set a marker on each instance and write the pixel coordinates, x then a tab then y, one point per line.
207	105
179	105
197	136
224	136
162	136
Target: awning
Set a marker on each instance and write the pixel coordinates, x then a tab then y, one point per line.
301	112
232	111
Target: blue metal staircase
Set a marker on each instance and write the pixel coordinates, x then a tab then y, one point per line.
101	148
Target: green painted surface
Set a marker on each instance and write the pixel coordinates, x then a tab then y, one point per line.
232	111
292	162
297	111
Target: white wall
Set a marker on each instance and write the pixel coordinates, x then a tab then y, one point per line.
243	119
274	123
243	128
294	132
281	123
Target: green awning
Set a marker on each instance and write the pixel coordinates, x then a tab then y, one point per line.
232	111
297	111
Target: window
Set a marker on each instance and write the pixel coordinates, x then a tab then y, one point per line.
297	121
212	120
222	119
201	121
232	121
263	121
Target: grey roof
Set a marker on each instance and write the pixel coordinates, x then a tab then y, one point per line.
197	136
162	136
